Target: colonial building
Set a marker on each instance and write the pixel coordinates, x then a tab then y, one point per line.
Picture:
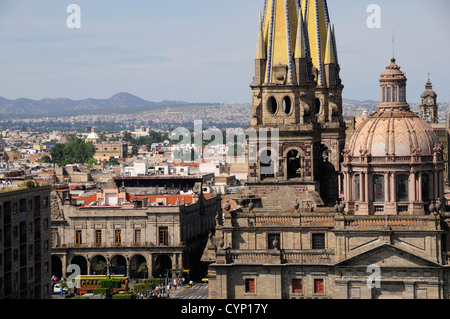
120	231
278	239
25	254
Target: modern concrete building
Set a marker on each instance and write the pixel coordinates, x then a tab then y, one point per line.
25	254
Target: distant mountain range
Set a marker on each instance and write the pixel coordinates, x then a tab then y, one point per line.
118	103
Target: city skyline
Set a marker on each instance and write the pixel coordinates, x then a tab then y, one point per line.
172	49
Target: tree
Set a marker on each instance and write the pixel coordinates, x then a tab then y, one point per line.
143	269
45	159
100	266
76	151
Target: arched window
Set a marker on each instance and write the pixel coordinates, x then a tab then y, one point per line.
378	188
401	188
272	105
317	106
293	159
267	165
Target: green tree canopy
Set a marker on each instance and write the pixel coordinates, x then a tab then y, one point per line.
75	151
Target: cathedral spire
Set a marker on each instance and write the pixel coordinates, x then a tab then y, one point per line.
300	45
320	35
260	48
280	24
329	49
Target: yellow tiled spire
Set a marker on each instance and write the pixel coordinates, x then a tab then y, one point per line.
300	46
317	21
280	34
329	50
260	47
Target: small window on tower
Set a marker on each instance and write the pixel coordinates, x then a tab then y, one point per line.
272	105
287	105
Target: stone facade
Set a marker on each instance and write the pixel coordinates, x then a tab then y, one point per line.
279	238
128	233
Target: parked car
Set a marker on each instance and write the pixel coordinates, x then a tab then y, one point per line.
57	289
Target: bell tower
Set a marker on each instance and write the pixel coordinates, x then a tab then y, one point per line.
296	94
428	105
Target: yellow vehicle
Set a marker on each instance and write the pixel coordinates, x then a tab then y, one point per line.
87	283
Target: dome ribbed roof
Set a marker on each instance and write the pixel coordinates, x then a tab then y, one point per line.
393	134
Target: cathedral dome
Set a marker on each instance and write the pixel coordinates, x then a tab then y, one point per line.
93	137
387	133
393	130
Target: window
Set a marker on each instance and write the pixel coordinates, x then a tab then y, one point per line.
395	93
267	164
137	236
319	286
272	105
425	187
98	237
118	237
379	209
273	241
287	105
297	286
318	241
378	188
250	285
357	187
389	94
78	237
402	188
54	237
402	94
163	236
402	209
294	164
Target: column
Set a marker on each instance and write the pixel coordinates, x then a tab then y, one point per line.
412	187
420	188
149	260
362	179
64	266
367	185
128	267
393	189
387	188
436	185
346	197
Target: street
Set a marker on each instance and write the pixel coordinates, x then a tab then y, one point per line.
197	291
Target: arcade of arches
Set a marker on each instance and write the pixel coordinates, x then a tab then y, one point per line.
132	265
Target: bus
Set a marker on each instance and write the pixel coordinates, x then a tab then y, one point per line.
87	283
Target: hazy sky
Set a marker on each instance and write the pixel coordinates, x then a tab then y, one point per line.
202	50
